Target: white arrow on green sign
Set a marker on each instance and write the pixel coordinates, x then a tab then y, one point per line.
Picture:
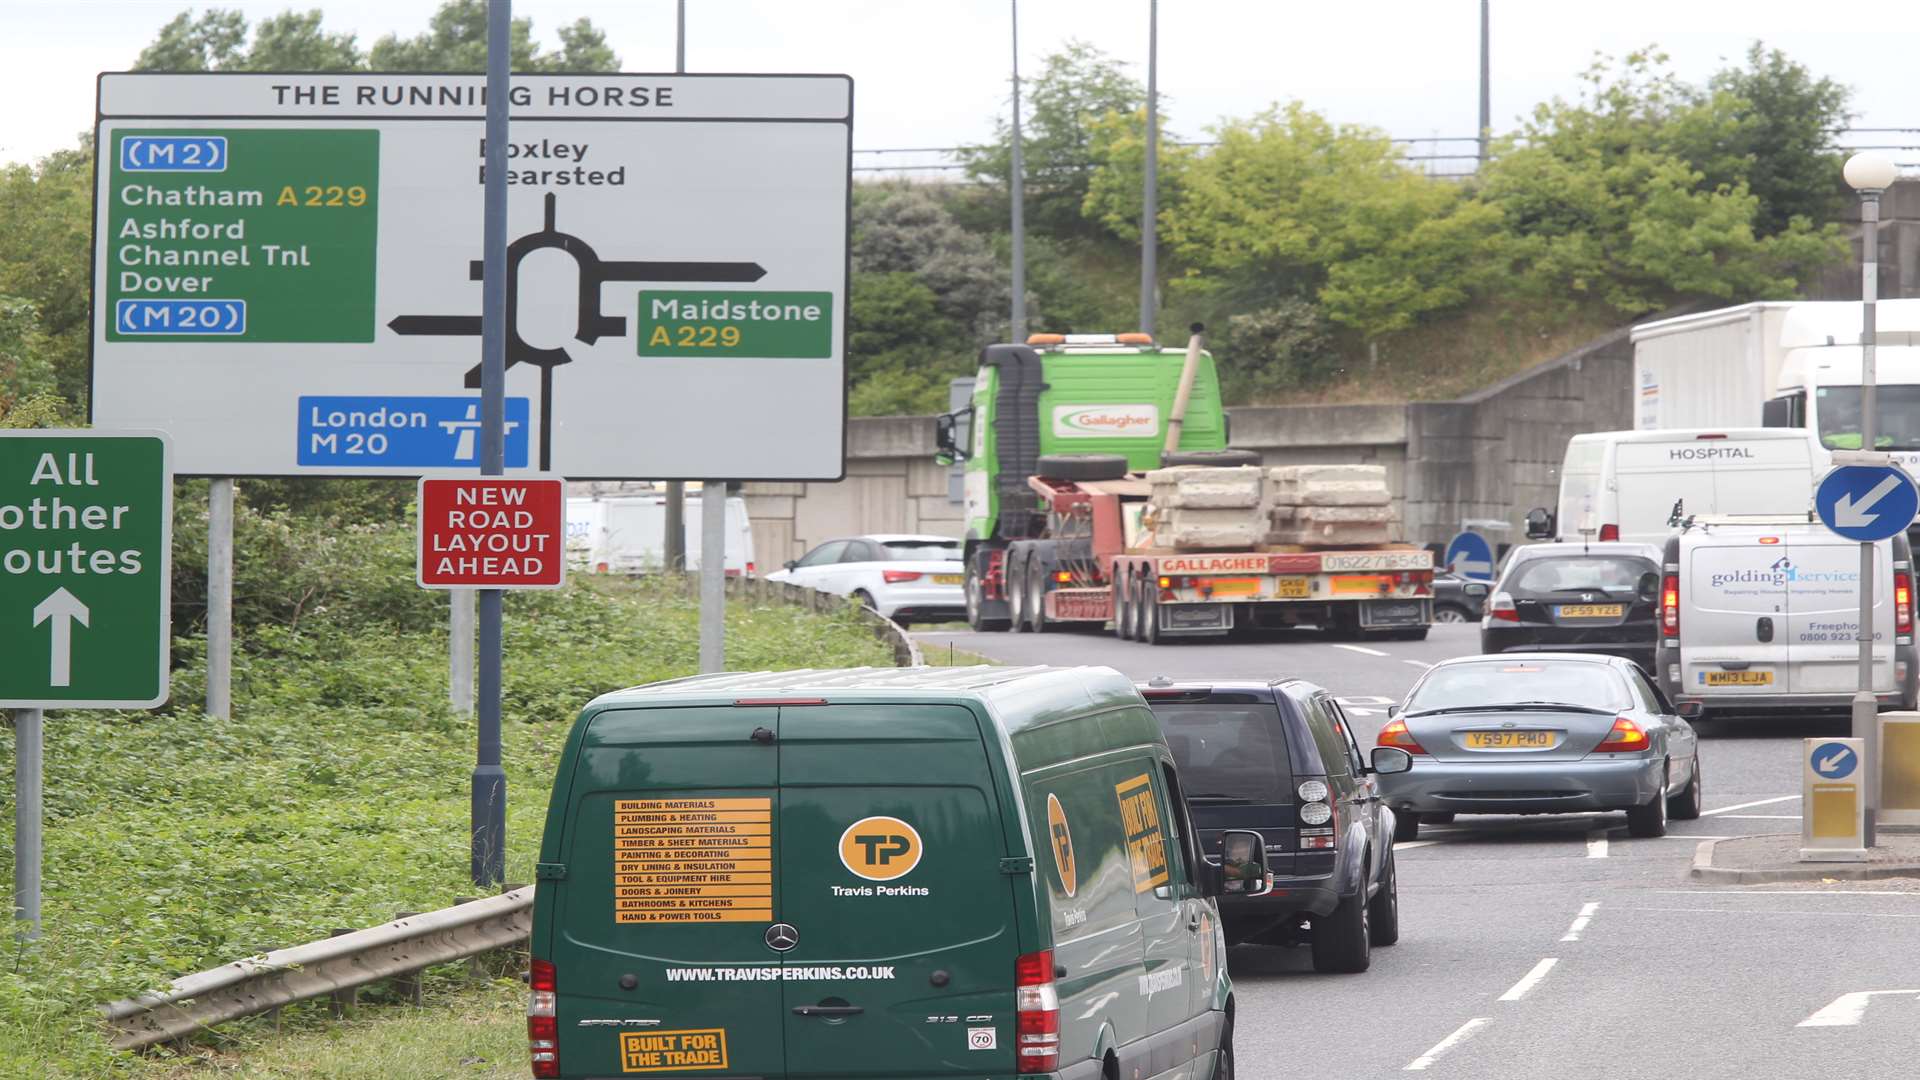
86	531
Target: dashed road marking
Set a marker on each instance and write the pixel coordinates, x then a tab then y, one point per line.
1847	1009
1530	979
1597	844
1794	914
1581	921
1763	817
1461	1034
1362	649
1417	663
1407	845
1744	805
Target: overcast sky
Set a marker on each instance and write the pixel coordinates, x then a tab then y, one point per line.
933	72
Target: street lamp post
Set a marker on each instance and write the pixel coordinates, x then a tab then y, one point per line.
1869	174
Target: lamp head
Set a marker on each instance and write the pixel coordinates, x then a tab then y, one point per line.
1870	171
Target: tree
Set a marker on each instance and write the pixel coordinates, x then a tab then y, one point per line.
456	40
213	42
1275	350
47	209
1782	123
1075	90
904	228
293	41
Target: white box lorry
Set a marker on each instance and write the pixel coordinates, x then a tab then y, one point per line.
625	534
1785	365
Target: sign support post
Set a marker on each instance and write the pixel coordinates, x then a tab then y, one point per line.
489	797
1866	710
460	619
220	598
29	794
713	577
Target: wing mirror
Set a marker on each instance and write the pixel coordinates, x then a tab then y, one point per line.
951	434
1243	864
1391	759
1689	710
793	564
1393	711
1539	523
1649	586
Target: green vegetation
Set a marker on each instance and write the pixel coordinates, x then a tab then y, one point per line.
337	795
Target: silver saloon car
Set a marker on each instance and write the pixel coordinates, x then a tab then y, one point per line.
1547	733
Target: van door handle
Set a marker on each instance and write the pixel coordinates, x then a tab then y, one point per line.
828	1010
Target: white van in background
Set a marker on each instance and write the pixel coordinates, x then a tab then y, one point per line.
1761	615
625	534
1622	485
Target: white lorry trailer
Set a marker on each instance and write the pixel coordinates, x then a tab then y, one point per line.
1787	365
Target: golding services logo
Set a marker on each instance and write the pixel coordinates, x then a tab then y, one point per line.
880	848
1781	573
1062	838
1105	421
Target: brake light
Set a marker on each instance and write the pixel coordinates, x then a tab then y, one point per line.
780	701
1036	1013
1670	605
543	1024
1903	602
1609	532
1500	607
1063	577
1625	738
895	577
750	568
1396	734
1166	582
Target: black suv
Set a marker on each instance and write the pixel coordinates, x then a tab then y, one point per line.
1279	758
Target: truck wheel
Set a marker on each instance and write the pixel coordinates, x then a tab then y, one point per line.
1123	607
1149	614
1037	573
1342	941
976	602
1081	466
1015	577
1216	458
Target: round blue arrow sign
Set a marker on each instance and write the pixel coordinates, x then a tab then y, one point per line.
1834	761
1867	502
1471	556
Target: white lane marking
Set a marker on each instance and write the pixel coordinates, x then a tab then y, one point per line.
1460	1035
1690	836
1788	892
1362	649
1763	817
1744	805
1530	979
1597	844
1580	923
1407	845
1417	663
1796	914
1847	1009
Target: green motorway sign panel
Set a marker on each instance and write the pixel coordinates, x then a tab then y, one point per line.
86	530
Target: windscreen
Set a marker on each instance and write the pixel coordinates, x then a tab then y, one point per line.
1615	574
1514	682
909	550
1898	427
1227	750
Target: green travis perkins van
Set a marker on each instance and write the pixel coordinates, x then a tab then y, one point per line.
979	872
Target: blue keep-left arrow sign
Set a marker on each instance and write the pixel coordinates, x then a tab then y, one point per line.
1867	502
1834	761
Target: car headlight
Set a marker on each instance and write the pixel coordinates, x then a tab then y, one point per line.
1316	813
1313	791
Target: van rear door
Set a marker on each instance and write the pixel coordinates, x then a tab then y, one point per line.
890	870
1761	476
659	940
1823	615
1733	615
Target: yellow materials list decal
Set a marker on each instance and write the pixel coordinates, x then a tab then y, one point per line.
673	1051
1146	845
692	861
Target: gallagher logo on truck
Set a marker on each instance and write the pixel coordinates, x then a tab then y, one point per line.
1106	421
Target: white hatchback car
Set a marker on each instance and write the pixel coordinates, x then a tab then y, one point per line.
907	578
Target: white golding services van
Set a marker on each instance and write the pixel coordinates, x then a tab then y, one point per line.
1762	615
1622	485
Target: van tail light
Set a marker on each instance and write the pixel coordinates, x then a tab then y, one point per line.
1625	738
543	1023
1609	532
895	577
1670	605
1396	734
1500	608
750	569
1036	1013
1903	602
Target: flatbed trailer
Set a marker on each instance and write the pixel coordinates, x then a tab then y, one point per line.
1083	571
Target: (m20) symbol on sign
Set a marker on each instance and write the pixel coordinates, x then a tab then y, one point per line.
880	848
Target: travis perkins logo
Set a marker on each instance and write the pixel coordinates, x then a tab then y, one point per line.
1781	574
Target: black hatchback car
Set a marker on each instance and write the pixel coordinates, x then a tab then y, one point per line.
1279	758
1573	597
